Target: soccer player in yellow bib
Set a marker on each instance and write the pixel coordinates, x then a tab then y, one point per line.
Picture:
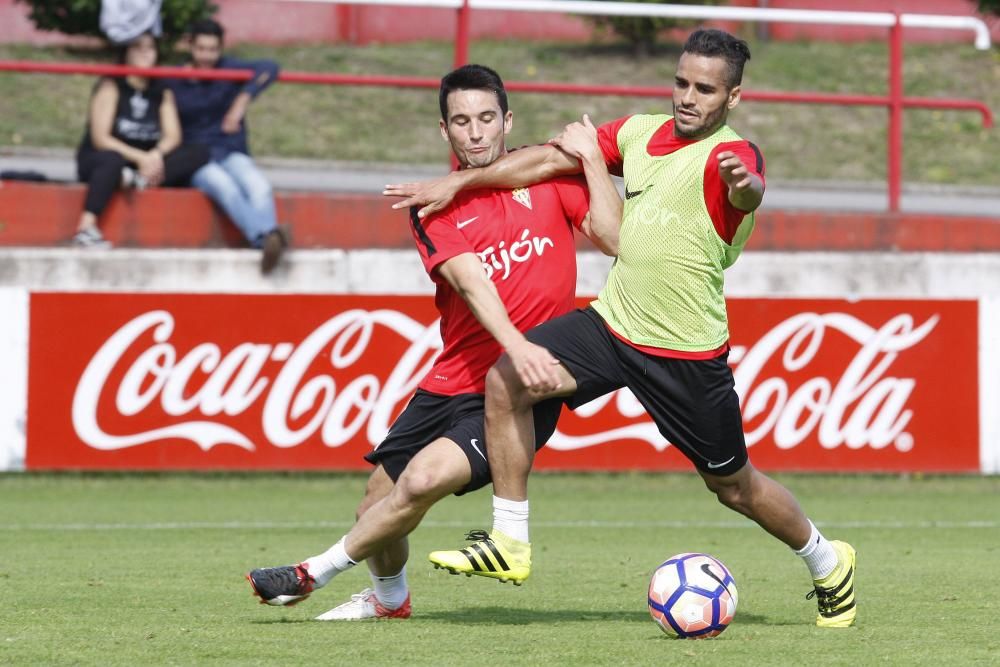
659	326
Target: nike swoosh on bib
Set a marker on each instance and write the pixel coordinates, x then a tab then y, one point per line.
629	194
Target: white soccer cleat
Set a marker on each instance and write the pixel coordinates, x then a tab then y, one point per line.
365	605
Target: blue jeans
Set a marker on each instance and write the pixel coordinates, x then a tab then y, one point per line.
238	186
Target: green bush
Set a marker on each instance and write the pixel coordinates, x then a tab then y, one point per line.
82	17
641	31
989	6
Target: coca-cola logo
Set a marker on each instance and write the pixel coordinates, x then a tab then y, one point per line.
290	389
230	384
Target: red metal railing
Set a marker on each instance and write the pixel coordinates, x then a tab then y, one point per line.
895	101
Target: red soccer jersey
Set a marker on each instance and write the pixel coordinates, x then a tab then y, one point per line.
524	239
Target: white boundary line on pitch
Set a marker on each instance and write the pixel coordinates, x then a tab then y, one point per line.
306	525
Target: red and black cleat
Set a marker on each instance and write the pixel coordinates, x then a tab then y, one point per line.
281	586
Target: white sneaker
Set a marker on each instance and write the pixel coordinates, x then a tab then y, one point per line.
90	237
365	605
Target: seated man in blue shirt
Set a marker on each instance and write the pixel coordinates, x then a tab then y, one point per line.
213	114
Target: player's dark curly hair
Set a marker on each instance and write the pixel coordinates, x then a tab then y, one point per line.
472	77
720	44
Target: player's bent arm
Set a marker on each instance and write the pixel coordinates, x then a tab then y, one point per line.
536	368
605	218
465	274
519	168
525	166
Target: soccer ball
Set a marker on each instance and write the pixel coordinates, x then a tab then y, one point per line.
692	596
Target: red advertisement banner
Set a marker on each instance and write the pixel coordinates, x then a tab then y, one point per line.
296	382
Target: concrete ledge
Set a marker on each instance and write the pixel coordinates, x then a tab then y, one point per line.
838	275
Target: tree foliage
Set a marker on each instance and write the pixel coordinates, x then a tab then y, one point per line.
641	32
82	17
989	6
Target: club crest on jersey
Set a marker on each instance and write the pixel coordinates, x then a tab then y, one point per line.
522	197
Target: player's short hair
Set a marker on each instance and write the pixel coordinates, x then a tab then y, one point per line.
713	43
207	27
472	77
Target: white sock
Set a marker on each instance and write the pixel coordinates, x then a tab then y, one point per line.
329	564
391	591
510	517
819	555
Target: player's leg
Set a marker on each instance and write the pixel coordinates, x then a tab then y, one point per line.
775	509
379	536
426	416
695	406
290	584
497	555
510	422
579	340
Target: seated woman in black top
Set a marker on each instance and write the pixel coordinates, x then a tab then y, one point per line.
133	139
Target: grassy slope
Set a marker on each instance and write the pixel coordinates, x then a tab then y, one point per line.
76	593
371	124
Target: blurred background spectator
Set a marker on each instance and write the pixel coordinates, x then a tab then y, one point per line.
213	113
132	139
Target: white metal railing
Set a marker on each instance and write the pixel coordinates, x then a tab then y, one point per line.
754	14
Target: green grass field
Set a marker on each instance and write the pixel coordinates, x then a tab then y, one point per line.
383	125
149	570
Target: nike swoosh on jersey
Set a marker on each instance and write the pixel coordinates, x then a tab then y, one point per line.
629	194
467	222
478	451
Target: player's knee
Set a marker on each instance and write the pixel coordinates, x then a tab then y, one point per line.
420	487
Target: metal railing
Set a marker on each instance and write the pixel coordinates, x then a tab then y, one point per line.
895	101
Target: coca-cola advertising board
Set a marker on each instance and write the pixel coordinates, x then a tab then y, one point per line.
295	382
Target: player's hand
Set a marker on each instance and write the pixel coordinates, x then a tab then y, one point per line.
537	369
733	172
430	196
578	139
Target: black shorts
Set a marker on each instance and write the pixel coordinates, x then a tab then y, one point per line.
459	418
693	402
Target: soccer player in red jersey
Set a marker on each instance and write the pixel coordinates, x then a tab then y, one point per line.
659	325
502	262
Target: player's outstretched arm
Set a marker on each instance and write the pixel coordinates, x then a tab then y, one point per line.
537	368
519	168
602	224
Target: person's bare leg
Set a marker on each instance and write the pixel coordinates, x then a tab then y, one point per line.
758	497
775	509
510	427
439	470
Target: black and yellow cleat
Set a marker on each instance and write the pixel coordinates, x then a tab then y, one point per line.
494	555
835	593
